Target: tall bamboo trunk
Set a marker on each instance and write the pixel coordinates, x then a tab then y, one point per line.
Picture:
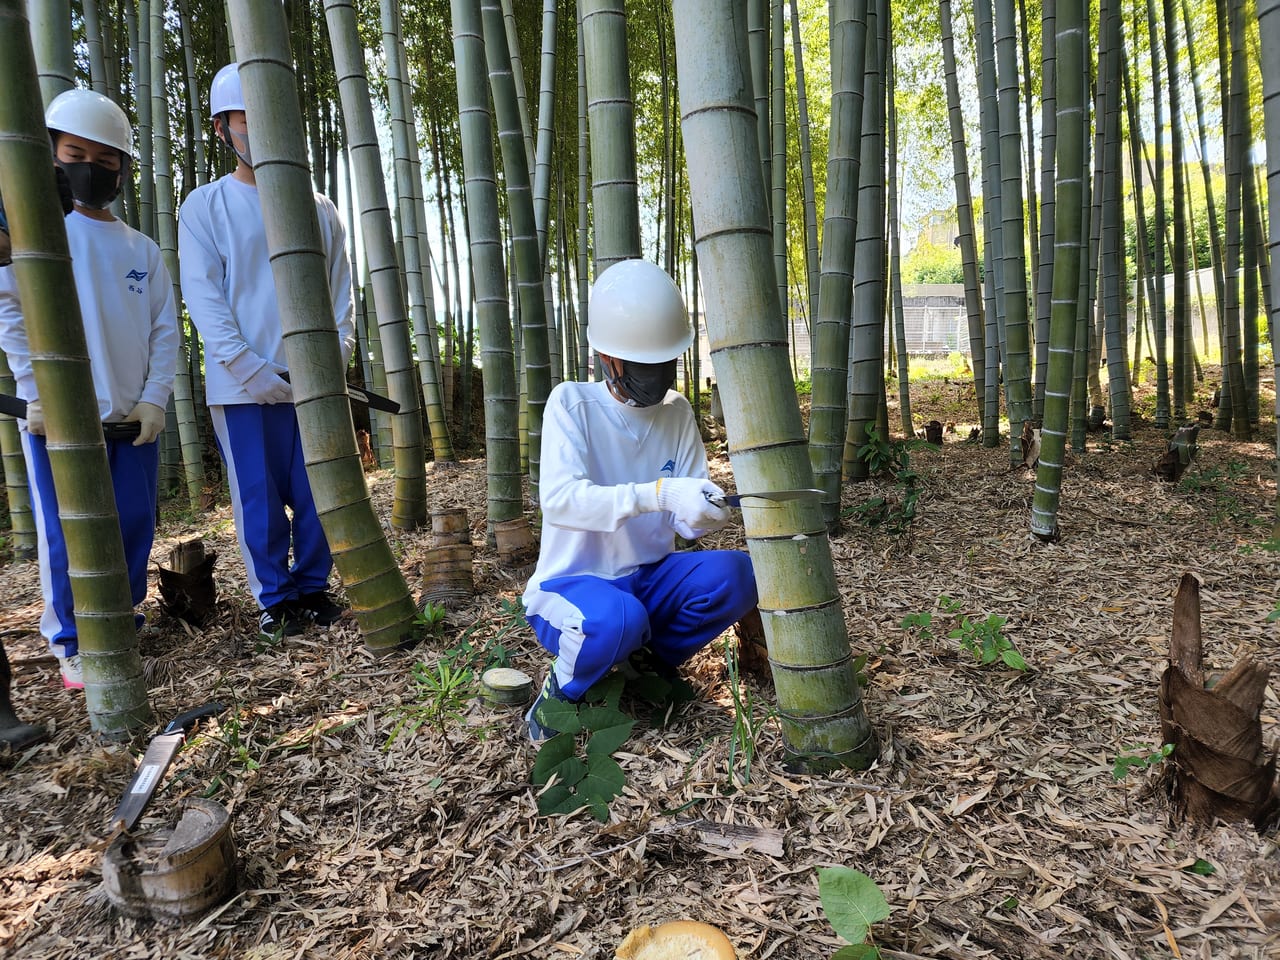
192	449
822	714
988	413
524	233
997	360
501	400
1181	316
1269	34
1072	127
1048	210
611	111
895	259
866	337
1017	383
1159	314
812	269
394	347
22	527
829	406
1234	406
1113	279
379	596
115	692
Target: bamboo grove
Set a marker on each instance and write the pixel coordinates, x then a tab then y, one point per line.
1091	162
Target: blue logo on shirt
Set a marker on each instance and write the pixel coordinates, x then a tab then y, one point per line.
668	468
136	275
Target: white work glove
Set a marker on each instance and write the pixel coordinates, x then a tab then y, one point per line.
35	418
266	386
152	419
693	514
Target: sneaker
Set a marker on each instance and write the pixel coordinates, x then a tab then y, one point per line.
281	620
539	731
322	607
72	674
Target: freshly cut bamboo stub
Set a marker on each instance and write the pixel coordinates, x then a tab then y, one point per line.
677	940
505	685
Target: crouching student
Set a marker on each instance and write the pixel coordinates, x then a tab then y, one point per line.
623	471
130	327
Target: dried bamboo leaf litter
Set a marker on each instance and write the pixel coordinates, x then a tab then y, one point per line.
991	822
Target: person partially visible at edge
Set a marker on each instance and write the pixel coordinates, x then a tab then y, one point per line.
231	296
131	329
623	471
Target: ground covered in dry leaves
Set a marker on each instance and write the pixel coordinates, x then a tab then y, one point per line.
992	821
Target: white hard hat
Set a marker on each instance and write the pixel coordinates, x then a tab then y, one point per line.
636	313
224	92
92	116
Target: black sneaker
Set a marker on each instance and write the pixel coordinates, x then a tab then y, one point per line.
321	607
539	731
281	620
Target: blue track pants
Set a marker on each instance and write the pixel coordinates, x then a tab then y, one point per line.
133	480
675	607
262	449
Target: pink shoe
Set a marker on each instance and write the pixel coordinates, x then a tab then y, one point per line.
72	675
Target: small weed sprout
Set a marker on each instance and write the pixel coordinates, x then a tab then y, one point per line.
746	727
982	638
1142	759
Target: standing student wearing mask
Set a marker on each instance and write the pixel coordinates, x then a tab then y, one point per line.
623	471
130	326
231	295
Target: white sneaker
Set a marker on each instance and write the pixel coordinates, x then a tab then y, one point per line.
72	675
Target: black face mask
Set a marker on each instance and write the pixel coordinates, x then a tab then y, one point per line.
93	185
646	383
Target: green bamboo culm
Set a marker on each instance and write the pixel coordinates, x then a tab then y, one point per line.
1269	31
115	693
167	238
501	399
1067	256
22	526
379	596
611	109
52	42
526	256
830	360
395	350
823	720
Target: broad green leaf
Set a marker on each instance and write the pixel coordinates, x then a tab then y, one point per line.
559	715
556	759
605	740
1201	868
650	688
857	951
559	799
851	900
609	690
1014	659
604	779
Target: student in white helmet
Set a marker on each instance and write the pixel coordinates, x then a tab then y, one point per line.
130	327
230	293
623	470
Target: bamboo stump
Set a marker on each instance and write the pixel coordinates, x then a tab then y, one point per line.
187	588
517	548
14	734
450	525
447	577
1220	766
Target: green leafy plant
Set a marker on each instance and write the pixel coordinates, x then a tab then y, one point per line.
983	638
890	458
1201	868
1274	615
852	903
1143	759
430	619
747	728
572	781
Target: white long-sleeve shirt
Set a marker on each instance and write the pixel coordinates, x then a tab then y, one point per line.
229	289
130	324
595	452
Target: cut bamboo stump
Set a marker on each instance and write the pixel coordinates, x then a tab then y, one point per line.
1220	766
187	588
450	525
177	874
517	548
447	577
